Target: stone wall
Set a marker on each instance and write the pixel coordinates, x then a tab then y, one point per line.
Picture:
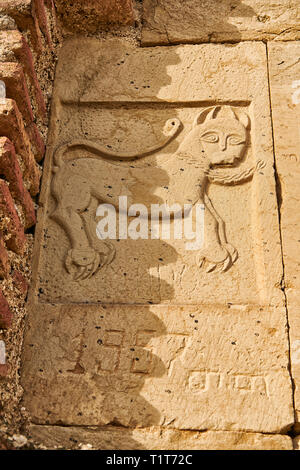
28	39
247	57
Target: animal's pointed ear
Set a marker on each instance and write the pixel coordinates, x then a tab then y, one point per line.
245	120
207	114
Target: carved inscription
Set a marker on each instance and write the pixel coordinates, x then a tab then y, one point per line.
204	381
115	348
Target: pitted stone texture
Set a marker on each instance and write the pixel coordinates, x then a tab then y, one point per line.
122	113
179	21
7	23
214	353
285	94
222	368
91	14
114	438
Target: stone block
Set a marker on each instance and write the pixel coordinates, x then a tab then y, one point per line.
285	98
191	21
141	330
112	438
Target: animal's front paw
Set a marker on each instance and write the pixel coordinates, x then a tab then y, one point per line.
219	260
232	251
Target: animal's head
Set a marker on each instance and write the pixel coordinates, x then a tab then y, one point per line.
223	135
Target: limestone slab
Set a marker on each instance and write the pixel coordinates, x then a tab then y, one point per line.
285	96
114	438
185	367
120	99
145	332
178	21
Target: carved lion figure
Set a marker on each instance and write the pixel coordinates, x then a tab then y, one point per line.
217	142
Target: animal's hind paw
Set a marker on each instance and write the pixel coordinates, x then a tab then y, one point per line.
84	263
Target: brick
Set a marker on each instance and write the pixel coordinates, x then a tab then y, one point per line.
4	444
40	14
4	371
29	15
20	282
4	260
13	47
9	167
12	228
88	15
36	141
6	22
11	126
16	88
6	315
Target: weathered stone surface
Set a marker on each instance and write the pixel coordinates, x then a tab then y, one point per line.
181	83
16	88
285	93
114	438
10	168
11	226
91	14
184	367
12	127
6	315
175	21
29	15
144	332
4	260
13	47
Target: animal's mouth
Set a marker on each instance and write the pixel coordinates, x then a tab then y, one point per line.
225	163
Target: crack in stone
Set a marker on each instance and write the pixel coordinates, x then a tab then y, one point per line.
282	281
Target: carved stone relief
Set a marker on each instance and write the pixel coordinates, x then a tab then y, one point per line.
218	139
144	332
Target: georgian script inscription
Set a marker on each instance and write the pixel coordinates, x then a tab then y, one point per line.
208	381
217	142
115	343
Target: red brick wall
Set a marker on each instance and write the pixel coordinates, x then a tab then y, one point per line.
26	31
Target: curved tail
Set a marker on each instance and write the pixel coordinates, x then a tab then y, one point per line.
171	129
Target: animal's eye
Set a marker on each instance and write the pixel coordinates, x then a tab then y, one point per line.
210	137
235	140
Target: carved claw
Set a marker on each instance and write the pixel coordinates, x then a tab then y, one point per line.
232	251
84	263
227	263
231	256
220	266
